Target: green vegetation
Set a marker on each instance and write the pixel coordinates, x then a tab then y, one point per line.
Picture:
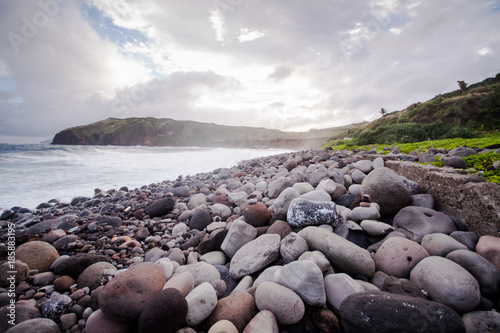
478	164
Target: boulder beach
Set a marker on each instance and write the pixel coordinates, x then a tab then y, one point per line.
308	241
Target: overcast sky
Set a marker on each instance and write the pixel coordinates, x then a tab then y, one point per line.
286	64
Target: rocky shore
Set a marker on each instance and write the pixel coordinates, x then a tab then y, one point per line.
311	241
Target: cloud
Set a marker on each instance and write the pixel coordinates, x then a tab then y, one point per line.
281	64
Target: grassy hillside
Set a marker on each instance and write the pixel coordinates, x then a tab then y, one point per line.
168	132
460	113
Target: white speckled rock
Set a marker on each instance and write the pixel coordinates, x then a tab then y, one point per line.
447	282
306	279
302	212
255	255
349	257
338	287
201	302
284	303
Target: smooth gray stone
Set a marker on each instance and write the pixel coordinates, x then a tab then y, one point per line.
292	247
484	271
239	234
416	222
481	321
283	302
306	279
447	282
349	257
255	255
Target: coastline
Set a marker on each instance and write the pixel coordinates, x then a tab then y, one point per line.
184	226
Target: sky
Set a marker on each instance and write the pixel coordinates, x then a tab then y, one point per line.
285	64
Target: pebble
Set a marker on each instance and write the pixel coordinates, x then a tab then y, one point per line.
264	321
489	247
237	308
239	234
286	305
255	255
440	244
223	326
201	301
37	255
338	287
292	247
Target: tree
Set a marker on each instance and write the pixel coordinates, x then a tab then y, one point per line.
463	87
383	112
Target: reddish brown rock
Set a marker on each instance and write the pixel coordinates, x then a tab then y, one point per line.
489	248
257	215
238	308
124	297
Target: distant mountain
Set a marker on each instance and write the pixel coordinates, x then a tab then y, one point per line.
168	132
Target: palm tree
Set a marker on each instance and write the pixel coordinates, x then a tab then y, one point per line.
463	87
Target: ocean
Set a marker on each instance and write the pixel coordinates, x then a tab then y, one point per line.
33	174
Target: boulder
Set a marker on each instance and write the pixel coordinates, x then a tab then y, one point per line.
37	255
380	312
124	297
306	279
349	257
255	255
386	188
447	282
398	256
285	304
416	222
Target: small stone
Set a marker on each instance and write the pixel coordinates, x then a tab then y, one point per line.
306	279
164	312
238	308
223	326
376	228
264	321
481	321
99	323
318	258
36	325
20	269
92	276
489	247
257	215
56	305
214	258
68	320
63	283
360	213
42	279
440	244
254	256
160	207
239	234
292	247
280	228
200	219
201	301
183	282
338	287
286	305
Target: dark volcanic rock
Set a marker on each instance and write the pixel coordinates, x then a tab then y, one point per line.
384	312
200	219
160	207
164	312
213	243
75	265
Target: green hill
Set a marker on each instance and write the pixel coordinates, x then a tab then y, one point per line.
168	132
460	113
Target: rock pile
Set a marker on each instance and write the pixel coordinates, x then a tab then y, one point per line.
311	241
